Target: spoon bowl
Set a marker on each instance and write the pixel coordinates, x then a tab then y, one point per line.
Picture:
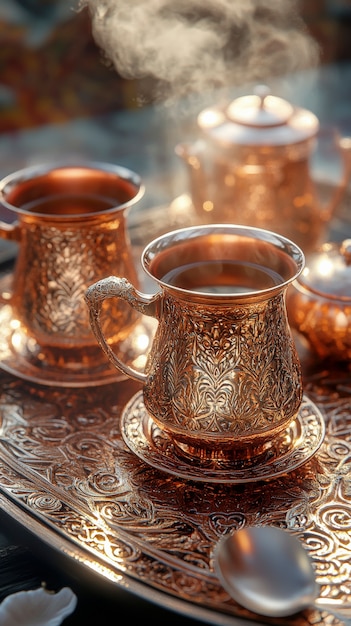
267	570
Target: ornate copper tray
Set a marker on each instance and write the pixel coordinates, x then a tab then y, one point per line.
68	476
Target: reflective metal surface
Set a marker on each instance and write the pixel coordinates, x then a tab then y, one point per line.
319	302
296	445
266	569
65	468
69	221
252	164
67	475
222	376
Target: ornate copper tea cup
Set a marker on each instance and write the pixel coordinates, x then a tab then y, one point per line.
69	221
222	377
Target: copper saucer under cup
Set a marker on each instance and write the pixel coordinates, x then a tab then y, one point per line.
297	445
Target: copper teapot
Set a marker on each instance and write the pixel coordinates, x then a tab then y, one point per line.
251	166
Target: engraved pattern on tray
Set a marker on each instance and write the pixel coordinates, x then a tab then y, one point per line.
62	459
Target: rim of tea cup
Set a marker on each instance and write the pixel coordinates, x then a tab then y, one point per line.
32	172
178	236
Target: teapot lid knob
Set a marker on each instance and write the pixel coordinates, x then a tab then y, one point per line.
262	91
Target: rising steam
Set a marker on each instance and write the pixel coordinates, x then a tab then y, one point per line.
189	46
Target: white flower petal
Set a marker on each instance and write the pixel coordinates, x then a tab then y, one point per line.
37	608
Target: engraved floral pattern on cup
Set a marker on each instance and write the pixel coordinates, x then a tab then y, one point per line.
226	372
58	306
52	292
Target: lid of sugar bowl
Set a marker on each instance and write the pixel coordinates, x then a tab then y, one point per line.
258	119
328	271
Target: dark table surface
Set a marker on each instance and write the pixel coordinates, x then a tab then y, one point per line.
143	140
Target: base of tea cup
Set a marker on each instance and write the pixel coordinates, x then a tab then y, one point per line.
225	447
240	452
236	455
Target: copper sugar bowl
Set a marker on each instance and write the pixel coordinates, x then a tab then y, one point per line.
319	302
251	165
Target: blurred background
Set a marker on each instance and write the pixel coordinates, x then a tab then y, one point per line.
51	70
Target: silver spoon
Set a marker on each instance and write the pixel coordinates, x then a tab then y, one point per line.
267	571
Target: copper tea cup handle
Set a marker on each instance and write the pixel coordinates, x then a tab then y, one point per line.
116	287
10	232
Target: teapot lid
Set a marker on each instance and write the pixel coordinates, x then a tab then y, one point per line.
328	271
258	119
